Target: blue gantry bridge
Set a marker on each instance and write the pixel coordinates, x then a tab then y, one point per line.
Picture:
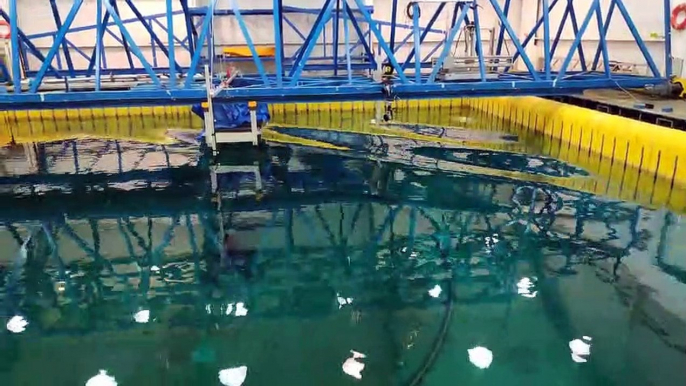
165	53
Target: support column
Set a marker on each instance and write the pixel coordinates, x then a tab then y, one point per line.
527	22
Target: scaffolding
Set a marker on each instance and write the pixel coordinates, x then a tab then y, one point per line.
54	79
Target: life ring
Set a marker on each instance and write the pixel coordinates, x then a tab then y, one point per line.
676	12
5	30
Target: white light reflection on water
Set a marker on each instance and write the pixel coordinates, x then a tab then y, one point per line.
102	379
436	291
581	349
480	357
142	316
525	286
352	366
17	324
343	301
241	310
234	376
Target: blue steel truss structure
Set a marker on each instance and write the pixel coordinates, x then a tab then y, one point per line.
49	84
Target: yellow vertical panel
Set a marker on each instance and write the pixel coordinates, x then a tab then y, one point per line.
661	192
677	200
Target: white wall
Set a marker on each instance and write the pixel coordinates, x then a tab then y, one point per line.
35	17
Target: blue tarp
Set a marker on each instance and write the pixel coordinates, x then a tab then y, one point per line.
234	115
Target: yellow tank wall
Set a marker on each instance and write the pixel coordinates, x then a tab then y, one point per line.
145	124
630	160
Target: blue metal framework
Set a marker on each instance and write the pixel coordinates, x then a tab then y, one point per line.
290	76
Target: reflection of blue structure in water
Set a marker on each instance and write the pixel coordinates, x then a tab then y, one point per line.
319	224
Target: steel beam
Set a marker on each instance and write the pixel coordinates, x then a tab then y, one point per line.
317	23
123	41
14	44
425	32
133	45
170	42
278	38
96	58
206	24
152	33
65	48
251	46
637	38
35	84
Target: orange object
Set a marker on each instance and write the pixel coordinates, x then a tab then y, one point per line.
676	12
244	51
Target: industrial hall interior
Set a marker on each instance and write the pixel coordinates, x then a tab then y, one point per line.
342	192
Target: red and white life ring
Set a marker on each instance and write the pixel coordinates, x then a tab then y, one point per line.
5	30
676	13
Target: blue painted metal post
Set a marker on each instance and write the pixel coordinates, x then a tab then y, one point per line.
515	40
152	33
57	57
280	41
153	48
668	40
381	41
248	40
577	41
417	44
602	44
363	41
299	64
394	15
189	25
25	44
479	44
336	21
317	22
560	29
170	39
99	28
606	27
134	47
532	34
200	41
61	33
501	34
123	41
638	38
65	48
546	39
14	45
575	28
424	33
346	32
278	38
449	42
100	34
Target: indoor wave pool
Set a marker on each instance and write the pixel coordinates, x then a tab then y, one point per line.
444	248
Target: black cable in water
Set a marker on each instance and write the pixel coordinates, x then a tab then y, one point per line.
440	338
438	343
